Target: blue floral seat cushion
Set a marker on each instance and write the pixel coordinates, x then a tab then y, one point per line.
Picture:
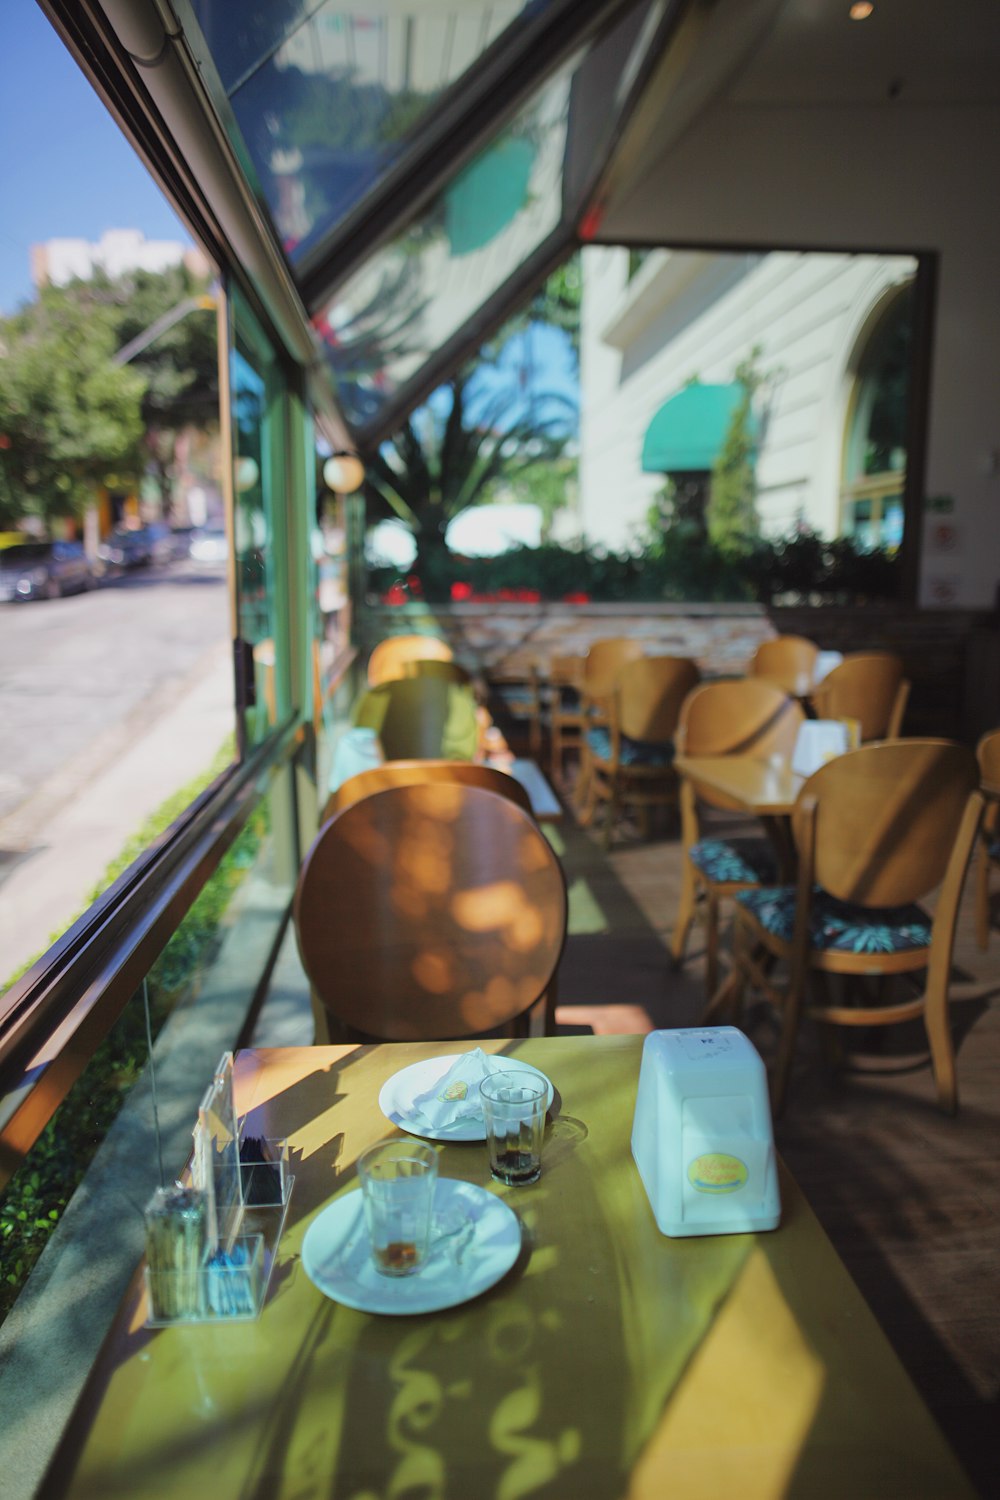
739	861
633	752
516	699
841	926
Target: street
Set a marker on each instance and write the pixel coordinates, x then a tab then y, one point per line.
109	702
74	671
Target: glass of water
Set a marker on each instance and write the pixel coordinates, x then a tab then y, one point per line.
514	1110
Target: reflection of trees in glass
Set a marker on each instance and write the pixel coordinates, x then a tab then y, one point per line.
364	342
331	134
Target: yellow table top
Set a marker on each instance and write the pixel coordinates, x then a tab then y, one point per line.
611	1361
757	786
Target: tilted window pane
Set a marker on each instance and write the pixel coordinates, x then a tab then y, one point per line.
388	319
327	97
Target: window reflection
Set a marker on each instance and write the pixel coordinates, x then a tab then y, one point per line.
327	98
411	297
253	534
876	444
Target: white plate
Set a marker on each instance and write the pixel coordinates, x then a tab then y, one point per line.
399	1091
475	1241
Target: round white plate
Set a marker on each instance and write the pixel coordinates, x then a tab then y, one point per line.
475	1240
399	1091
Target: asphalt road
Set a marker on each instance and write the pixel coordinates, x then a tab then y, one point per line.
80	676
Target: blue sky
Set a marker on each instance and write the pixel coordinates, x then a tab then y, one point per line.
66	170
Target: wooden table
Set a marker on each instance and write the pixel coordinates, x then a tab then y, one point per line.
765	788
611	1361
544	803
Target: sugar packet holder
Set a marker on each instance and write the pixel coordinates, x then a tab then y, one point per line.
211	1244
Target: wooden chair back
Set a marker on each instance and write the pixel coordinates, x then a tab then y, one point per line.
789	661
886	819
419	772
387	660
868	686
739	716
421	718
649	694
605	660
447	671
430	912
988	756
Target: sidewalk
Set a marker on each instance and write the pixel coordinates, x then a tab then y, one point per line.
98	806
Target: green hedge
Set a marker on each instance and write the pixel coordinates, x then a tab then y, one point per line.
798	569
35	1197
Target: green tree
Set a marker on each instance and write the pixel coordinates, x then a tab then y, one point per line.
170	316
69	417
732	507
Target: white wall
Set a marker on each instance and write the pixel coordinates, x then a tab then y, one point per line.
694	314
880	178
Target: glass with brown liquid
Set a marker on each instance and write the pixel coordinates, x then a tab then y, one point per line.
397	1182
514	1111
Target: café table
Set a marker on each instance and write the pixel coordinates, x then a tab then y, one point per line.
765	788
609	1361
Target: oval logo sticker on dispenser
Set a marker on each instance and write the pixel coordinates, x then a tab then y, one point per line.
717	1172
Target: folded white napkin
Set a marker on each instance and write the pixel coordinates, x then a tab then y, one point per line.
455	1096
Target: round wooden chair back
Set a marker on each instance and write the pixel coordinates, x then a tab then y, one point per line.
740	716
789	661
421	718
649	695
418	773
605	660
866	686
447	671
430	912
387	659
988	756
886	819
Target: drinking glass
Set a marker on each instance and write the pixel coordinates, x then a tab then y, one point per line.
514	1110
397	1184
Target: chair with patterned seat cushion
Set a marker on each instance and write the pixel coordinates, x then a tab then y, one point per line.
748	716
631	759
988	756
598	675
877	832
788	661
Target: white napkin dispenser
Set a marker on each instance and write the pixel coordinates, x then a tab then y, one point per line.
702	1137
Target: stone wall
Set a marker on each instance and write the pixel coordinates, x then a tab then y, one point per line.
952	657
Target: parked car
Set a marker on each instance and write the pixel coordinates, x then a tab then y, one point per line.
125	548
209	545
44	570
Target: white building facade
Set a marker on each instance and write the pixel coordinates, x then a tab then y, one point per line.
808	321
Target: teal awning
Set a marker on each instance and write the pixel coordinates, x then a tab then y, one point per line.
688	430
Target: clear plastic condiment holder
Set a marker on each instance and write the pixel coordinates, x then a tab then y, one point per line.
232	1284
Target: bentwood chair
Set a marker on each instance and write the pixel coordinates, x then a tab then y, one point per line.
877	831
388	659
789	661
419	773
421	717
746	716
988	756
867	686
431	912
632	757
601	666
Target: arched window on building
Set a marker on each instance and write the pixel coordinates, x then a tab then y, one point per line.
875	449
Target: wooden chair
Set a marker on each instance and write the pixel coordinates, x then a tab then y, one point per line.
746	716
420	772
632	757
389	656
431	912
562	696
420	718
868	686
789	661
877	831
988	756
516	692
601	666
446	671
